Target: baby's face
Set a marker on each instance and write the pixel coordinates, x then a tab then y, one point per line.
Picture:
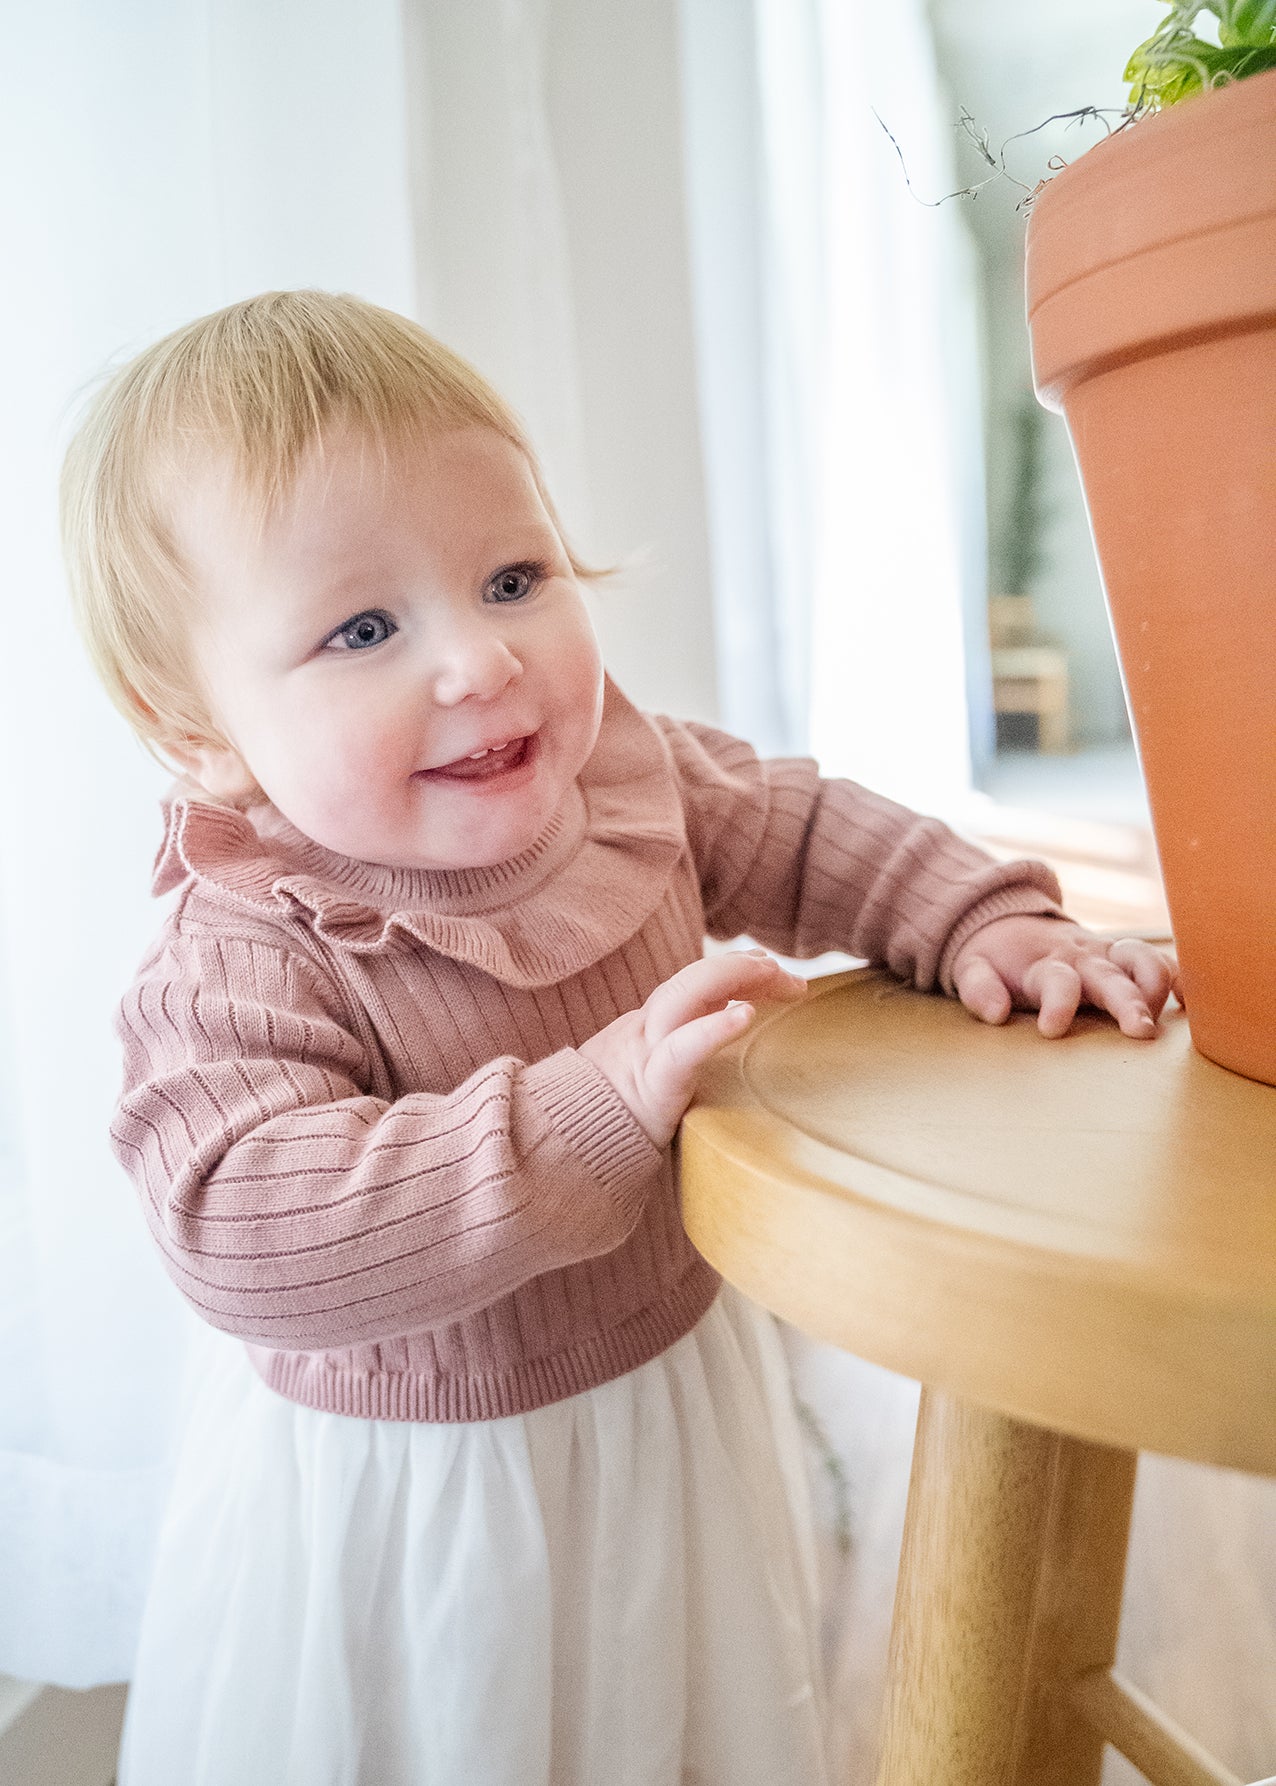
379	633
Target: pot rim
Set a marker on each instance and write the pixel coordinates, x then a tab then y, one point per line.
1164	234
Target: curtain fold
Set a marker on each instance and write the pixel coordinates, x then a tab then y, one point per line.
837	319
899	563
491	234
759	620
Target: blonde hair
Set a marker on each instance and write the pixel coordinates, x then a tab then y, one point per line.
258	382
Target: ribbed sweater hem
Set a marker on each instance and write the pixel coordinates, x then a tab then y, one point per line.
408	1395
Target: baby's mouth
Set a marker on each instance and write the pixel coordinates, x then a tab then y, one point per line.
486	764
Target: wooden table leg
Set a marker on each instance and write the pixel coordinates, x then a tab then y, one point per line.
1078	1611
1013	1535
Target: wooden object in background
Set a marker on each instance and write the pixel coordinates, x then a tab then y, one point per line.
1078	1236
1029	672
1011	621
1033	679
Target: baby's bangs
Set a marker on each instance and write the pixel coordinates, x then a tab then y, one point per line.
267	378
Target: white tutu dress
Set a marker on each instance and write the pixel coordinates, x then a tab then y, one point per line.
614	1590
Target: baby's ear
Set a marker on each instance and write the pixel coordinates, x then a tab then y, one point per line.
217	768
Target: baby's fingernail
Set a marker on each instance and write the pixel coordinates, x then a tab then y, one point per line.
759	952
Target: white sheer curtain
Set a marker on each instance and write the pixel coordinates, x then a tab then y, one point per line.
898	561
752	92
838	326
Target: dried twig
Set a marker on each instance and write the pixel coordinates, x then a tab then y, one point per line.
979	141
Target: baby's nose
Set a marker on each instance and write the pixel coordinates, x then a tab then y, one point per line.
474	664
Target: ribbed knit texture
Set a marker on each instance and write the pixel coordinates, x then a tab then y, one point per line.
354	1106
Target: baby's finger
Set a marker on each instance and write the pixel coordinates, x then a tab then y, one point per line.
1110	989
705	986
676	1060
1150	969
1056	988
982	990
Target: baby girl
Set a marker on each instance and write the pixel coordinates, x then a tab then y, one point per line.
496	1483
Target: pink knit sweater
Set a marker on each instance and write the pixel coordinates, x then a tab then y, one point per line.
354	1107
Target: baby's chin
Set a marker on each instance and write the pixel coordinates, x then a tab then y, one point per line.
428	849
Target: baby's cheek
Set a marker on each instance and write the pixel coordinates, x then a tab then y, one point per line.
362	764
388	753
329	756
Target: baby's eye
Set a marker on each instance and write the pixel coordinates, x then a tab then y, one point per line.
516	582
364	630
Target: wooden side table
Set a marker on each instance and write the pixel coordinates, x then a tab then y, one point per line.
1072	1245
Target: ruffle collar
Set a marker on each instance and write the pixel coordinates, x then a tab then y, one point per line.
588	883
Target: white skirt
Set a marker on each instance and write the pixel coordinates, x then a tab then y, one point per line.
615	1590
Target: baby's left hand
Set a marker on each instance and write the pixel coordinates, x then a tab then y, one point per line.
1050	965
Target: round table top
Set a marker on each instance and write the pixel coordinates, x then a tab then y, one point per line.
1079	1232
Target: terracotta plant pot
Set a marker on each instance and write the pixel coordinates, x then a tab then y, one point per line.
1151	273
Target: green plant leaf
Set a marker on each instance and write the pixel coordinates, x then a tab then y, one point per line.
1248	24
1174	62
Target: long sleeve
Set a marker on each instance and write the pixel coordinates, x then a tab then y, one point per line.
806	864
298	1211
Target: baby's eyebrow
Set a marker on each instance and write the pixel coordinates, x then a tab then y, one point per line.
322	589
511	545
339	589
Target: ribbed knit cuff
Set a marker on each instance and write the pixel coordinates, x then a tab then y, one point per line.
589	1115
1004	903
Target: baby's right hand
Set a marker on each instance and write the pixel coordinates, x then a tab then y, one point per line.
652	1055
